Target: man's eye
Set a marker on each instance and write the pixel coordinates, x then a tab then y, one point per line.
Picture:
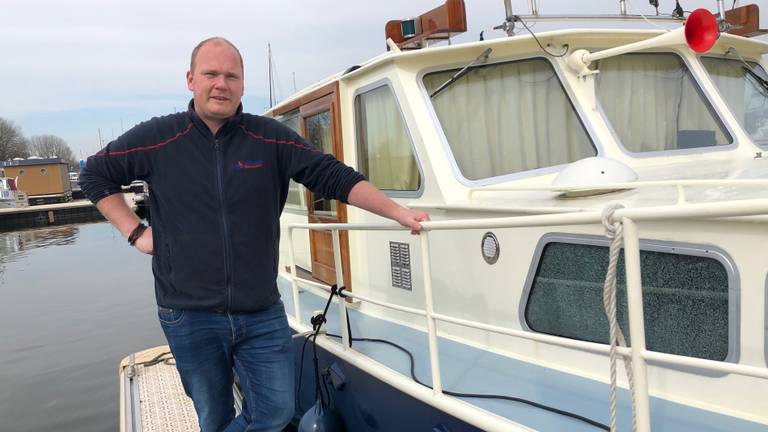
209	74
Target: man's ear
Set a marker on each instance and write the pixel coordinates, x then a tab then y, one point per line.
189	81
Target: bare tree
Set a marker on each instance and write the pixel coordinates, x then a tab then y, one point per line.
12	142
51	146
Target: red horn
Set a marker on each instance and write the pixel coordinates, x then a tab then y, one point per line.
701	30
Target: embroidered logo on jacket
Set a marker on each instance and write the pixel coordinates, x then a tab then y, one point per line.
241	165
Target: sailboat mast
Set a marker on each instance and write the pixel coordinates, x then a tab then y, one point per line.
271	84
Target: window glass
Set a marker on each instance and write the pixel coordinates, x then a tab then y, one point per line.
653	104
506	118
386	155
319	133
685	299
296	192
745	93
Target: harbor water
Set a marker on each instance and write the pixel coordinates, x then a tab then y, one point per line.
74	300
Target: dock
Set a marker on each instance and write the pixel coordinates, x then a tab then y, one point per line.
77	211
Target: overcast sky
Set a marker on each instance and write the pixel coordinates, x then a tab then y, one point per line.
72	67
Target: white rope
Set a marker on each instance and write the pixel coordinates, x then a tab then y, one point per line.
614	231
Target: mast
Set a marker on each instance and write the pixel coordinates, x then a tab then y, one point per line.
271	81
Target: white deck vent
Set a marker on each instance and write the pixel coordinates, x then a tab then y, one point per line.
593	176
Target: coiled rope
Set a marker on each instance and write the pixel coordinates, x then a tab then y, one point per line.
614	231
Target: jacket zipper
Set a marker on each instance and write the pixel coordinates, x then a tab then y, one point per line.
225	225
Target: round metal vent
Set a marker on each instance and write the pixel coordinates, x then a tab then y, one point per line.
490	248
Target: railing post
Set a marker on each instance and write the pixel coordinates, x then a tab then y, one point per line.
434	355
294	284
636	323
340	283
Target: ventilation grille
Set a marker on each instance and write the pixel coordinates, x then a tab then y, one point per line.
400	259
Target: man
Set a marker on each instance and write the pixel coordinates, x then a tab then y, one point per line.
219	180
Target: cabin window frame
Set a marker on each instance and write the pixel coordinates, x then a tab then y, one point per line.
673	247
581	115
720	94
387	82
714	110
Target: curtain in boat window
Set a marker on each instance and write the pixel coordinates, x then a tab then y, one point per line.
507	118
386	155
745	95
653	104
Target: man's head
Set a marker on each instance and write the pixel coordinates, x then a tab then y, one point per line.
215	78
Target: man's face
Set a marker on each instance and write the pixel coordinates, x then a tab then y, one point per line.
216	82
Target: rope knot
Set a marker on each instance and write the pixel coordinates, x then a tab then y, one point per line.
613	227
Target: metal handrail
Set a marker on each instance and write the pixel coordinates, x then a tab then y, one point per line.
628	216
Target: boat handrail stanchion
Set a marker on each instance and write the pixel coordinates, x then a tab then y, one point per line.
340	284
434	355
636	323
294	275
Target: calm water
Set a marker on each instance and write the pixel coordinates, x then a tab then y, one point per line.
74	300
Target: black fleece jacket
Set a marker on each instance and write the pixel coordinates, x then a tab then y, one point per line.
215	202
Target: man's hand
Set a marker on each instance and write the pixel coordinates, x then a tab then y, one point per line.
411	218
144	243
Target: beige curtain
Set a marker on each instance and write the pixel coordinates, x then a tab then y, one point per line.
507	118
387	158
649	98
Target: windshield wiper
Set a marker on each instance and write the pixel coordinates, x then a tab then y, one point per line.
762	82
481	58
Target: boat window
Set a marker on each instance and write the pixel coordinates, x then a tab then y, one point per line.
296	192
654	104
386	154
319	133
508	117
685	298
745	93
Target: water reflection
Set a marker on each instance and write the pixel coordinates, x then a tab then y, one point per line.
14	245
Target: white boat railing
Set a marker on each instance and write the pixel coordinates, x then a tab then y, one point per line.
628	217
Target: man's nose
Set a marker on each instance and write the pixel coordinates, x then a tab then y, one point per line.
220	81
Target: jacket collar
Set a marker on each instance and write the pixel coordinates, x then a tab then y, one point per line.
226	128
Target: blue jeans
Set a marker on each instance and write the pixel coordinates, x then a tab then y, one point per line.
207	345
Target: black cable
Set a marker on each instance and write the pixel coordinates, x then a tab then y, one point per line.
479	396
156	360
317	323
301	374
567	47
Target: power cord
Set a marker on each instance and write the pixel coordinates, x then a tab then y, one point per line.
317	322
518	18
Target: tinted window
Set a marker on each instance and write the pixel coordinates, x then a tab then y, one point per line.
685	299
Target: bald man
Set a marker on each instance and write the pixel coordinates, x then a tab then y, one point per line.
219	181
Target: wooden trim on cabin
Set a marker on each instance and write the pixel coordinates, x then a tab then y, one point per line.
326	98
325	90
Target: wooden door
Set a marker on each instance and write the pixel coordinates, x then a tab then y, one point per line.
321	125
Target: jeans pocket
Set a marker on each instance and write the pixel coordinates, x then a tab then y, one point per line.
169	317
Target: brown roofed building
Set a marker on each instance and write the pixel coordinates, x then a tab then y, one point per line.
44	180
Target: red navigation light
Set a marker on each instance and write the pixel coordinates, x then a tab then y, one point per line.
701	31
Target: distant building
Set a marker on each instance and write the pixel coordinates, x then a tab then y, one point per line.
44	180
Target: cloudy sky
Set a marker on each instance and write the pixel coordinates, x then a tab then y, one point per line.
72	67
